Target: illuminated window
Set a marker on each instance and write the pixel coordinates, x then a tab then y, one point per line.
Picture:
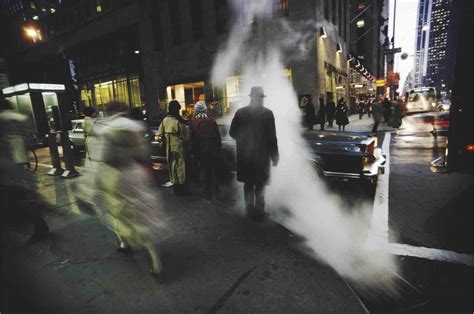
187	95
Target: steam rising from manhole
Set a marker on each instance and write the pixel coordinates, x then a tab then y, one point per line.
255	50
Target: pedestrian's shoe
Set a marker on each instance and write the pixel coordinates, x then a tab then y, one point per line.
124	249
157	275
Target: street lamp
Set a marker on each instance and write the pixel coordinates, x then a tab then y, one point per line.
33	33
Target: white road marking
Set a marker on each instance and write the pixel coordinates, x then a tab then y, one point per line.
377	238
428	253
379	224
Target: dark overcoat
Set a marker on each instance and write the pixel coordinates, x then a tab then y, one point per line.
341	114
253	127
330	109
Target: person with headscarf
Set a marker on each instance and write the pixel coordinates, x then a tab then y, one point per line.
207	144
174	130
253	127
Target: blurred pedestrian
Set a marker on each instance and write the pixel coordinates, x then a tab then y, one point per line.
322	113
207	145
341	114
89	114
387	109
21	203
361	109
398	112
174	130
377	113
330	110
310	114
369	108
125	202
253	127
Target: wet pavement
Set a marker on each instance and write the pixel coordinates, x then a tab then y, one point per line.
218	261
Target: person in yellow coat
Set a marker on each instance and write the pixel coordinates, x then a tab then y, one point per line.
175	132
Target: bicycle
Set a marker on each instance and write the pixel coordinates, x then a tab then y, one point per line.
32	158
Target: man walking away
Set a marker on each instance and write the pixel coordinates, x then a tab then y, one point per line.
310	114
330	111
322	113
341	115
377	112
253	127
361	109
387	108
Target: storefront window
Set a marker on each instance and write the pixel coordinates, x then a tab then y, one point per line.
119	90
187	95
86	97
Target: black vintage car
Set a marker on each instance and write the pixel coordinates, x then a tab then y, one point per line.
335	155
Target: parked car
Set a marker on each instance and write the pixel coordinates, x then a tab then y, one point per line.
335	155
76	135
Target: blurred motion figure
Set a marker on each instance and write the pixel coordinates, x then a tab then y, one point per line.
21	203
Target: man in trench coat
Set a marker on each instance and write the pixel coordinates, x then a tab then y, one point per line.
253	127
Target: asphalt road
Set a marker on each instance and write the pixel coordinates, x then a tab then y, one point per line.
428	220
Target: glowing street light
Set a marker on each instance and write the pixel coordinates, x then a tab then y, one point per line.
33	33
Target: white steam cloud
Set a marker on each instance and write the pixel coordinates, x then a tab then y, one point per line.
296	196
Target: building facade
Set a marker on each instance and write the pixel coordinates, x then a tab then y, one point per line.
422	42
442	43
369	30
147	52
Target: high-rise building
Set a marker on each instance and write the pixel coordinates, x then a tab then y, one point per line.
421	44
441	45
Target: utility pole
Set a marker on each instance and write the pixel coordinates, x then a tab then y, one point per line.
390	58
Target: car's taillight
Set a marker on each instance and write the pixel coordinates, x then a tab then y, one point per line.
470	147
371	148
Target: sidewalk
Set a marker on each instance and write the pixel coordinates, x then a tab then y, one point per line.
215	261
357	125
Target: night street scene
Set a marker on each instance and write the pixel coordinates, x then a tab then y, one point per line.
236	156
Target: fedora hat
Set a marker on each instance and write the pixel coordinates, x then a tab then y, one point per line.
257	91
